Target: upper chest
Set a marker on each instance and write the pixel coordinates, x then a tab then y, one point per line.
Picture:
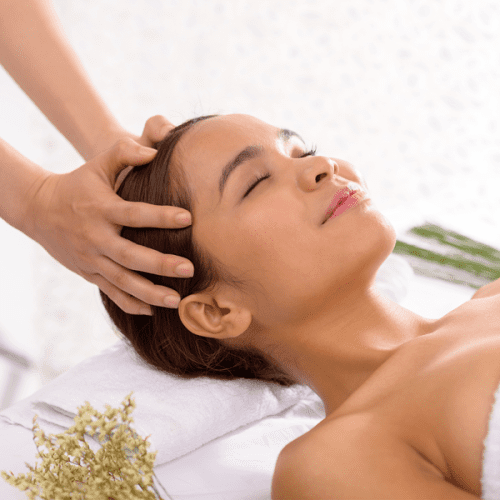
437	394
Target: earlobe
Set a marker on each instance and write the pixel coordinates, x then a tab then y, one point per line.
209	316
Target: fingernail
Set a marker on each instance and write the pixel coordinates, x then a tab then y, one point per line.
171	301
184	270
183	218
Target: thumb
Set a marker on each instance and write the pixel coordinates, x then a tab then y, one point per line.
126	152
155	130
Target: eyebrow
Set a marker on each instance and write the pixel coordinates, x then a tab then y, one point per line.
251	152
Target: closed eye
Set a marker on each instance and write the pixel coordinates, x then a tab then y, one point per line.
311	152
255	182
260	178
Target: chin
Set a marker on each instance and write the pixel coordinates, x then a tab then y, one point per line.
377	240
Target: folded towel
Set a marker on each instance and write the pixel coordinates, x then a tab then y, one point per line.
490	480
180	415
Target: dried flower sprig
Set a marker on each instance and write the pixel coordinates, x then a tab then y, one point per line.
121	469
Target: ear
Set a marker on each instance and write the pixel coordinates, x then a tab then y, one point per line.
214	316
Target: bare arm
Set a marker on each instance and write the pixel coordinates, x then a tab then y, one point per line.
36	53
17	175
77	217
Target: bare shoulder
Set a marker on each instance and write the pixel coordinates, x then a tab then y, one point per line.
310	466
489	290
352	457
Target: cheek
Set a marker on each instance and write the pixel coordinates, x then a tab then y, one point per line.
275	247
261	244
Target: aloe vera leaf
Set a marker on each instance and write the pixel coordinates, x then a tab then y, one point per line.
487	273
452	252
445	273
457	240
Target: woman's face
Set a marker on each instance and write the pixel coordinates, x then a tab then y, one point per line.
274	236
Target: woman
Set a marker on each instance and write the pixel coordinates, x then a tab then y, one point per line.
286	246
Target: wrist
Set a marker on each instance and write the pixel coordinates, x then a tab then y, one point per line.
34	207
20	181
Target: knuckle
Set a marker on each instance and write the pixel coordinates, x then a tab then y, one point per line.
124	145
155	121
131	215
120	279
157	127
126	256
166	216
86	262
164	268
167	266
124	142
88	210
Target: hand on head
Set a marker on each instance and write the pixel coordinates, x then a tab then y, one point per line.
79	218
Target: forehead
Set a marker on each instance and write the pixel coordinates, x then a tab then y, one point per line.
208	145
218	137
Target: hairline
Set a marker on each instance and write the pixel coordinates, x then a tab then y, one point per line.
181	184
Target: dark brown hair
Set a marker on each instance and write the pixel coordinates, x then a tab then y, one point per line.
162	340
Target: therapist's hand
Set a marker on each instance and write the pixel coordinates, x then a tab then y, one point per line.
78	217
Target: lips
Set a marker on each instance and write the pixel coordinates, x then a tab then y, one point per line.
343	198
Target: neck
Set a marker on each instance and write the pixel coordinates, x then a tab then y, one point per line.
337	351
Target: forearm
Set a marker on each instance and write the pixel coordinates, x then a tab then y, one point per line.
36	53
19	180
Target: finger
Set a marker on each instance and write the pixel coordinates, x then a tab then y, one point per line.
123	300
140	258
137	287
124	153
156	128
140	214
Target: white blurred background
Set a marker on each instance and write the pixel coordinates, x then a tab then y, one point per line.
409	92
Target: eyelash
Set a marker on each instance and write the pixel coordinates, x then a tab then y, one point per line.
311	152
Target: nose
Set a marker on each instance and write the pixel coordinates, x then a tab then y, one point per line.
318	170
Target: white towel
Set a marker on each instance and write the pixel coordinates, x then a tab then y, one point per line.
490	480
179	415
